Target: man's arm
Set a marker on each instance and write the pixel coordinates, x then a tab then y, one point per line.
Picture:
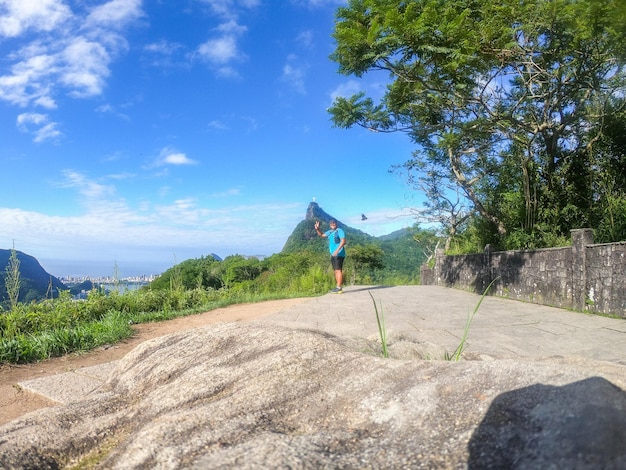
317	229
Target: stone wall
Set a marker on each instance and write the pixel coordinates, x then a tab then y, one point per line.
584	276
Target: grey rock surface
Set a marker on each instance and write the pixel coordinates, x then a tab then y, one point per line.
269	396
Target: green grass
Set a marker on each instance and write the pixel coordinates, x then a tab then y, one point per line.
456	355
382	330
39	331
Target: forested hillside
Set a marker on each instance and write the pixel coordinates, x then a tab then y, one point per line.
35	282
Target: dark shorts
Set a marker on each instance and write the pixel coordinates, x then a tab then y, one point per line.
337	262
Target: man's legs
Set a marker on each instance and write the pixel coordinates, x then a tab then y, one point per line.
337	262
339	277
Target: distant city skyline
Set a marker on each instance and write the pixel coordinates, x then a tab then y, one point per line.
76	269
108	279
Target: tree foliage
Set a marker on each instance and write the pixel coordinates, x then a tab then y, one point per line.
366	258
12	280
511	103
204	272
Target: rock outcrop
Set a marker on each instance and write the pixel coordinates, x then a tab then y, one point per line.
255	396
315	212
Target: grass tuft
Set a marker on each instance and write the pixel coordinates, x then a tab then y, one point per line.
380	319
456	355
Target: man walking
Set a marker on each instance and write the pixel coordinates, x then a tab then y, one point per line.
336	242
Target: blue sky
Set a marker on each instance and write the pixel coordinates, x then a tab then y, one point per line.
139	134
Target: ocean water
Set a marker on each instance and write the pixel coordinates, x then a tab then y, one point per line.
122	287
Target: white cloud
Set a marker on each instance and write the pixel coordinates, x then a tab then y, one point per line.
84	67
109	109
178	159
294	75
122	176
39	125
232	28
230	8
45	101
30	118
47	132
223	49
228	193
170	156
19	16
115	14
162	47
305	38
227	72
86	187
217	125
163	54
28	81
219	50
79	66
224	8
73	60
320	3
113	232
105	108
346	90
242	123
374	89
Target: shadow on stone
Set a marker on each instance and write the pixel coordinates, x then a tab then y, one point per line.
368	288
580	425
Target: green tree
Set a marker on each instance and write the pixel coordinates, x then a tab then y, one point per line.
203	272
428	240
12	280
237	269
610	193
365	257
514	91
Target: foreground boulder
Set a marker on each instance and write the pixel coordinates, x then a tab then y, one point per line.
250	396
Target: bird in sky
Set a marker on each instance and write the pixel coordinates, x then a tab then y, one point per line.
363	217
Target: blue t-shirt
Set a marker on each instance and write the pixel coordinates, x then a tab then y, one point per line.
334	240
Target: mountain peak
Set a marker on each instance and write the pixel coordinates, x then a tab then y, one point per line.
315	212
